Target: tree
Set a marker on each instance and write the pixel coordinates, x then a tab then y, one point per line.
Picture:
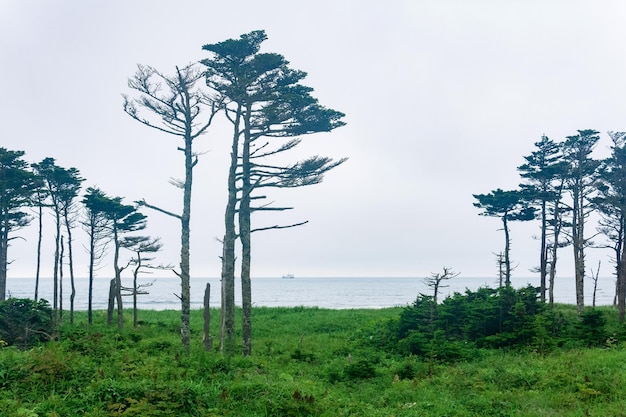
611	203
96	223
263	100
63	185
508	206
581	183
17	184
541	172
180	107
123	219
141	246
435	281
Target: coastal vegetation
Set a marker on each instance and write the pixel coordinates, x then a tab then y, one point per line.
320	362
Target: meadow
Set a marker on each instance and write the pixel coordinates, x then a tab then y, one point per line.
305	362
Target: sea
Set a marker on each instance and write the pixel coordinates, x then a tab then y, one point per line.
331	293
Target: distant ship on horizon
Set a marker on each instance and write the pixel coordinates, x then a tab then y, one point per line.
288	276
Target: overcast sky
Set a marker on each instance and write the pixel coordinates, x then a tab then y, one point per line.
442	100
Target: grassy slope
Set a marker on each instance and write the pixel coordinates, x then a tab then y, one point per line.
306	362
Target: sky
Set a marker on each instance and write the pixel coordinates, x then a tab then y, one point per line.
443	99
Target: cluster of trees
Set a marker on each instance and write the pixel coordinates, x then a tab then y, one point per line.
270	111
488	318
562	186
30	190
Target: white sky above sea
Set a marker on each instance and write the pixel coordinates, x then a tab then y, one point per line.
443	99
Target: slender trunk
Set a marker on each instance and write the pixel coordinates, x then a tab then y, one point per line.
621	285
244	232
61	255
55	293
227	321
111	305
507	249
578	244
118	280
4	245
135	298
185	329
71	267
543	262
92	255
207	339
39	240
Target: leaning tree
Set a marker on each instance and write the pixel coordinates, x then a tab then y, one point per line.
17	185
269	110
173	104
510	205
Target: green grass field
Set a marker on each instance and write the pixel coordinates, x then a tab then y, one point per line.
305	362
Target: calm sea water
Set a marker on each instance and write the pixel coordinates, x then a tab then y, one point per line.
335	293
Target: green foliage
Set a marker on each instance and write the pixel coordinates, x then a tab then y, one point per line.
311	362
25	322
485	318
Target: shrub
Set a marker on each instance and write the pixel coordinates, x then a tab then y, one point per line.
25	322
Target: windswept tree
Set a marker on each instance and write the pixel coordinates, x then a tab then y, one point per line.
17	184
123	218
173	104
141	262
541	173
269	110
96	224
63	186
611	203
508	206
581	183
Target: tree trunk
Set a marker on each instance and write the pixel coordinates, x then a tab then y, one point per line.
621	285
39	240
185	311
70	261
118	281
244	232
507	250
111	305
227	320
543	262
4	245
61	254
207	339
92	249
55	294
135	299
578	222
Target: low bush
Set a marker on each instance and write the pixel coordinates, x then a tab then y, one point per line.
25	322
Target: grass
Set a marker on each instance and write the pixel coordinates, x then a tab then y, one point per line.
306	362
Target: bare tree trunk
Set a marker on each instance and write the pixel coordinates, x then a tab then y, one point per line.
70	260
39	240
61	254
111	305
118	282
4	244
543	262
135	299
227	321
207	339
91	272
507	250
244	233
55	295
579	253
621	285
